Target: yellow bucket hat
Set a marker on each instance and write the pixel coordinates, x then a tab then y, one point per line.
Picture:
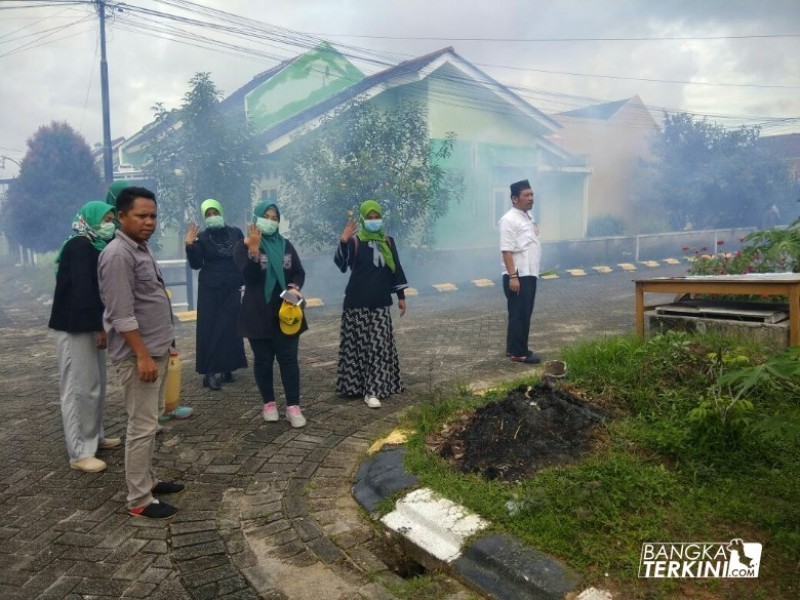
290	317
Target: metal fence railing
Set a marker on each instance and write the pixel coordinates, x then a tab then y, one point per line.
178	274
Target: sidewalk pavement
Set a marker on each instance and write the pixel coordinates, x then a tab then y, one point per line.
268	511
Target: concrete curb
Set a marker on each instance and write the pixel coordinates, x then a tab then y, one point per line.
441	534
449	287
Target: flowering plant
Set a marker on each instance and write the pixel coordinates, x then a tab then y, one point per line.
766	251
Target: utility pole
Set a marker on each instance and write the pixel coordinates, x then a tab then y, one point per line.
108	163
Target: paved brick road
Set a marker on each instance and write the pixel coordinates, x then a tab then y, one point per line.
267	512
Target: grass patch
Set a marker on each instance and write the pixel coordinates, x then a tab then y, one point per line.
702	446
424	587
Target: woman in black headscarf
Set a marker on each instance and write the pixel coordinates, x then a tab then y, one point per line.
220	349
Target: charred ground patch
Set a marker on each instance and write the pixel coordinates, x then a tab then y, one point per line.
510	439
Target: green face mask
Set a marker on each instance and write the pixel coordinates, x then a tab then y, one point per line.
215	221
266	226
105	231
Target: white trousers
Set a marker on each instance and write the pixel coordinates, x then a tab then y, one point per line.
83	392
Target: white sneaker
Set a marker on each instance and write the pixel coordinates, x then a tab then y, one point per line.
372	401
295	417
270	413
90	464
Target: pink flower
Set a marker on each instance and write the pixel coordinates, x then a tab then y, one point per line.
685	248
720	242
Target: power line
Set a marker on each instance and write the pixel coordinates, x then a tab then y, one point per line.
648	79
151	22
556	40
299	39
49	33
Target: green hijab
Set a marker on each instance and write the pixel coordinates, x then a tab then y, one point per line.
211	203
274	246
86	222
379	236
114	190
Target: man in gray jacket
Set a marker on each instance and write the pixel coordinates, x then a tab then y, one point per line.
138	322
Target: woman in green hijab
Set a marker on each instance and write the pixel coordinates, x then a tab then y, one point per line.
368	363
114	189
220	349
77	320
270	265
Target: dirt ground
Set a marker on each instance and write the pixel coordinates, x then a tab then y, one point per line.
511	439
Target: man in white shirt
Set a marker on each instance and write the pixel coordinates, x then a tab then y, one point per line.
521	251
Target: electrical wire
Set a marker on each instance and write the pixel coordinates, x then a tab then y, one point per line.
281	44
556	40
91	79
49	33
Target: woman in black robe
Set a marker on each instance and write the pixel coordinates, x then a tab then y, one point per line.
220	349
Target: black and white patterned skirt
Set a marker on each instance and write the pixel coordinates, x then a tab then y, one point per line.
368	362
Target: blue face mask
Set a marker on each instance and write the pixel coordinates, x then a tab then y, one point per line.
266	226
373	225
215	221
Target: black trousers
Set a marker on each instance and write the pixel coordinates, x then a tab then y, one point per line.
265	351
520	310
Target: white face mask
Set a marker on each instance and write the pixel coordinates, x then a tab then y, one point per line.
266	226
215	221
105	231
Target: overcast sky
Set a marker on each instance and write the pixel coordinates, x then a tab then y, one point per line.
49	55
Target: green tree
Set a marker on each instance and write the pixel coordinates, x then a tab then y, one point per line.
201	151
364	152
57	176
709	176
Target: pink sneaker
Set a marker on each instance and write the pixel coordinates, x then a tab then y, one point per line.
270	413
295	417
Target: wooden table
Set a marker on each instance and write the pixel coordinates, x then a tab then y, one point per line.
755	284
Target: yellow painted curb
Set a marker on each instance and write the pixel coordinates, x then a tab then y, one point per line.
603	269
398	436
314	302
411	291
188	315
672	261
627	266
445	287
576	272
483	282
650	263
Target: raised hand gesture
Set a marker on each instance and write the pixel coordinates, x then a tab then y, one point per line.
192	230
253	239
349	231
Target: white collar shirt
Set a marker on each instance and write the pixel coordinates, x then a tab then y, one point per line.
519	234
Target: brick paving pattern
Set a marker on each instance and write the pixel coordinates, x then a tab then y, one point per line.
268	511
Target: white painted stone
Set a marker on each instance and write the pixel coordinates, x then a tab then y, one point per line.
594	594
433	523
